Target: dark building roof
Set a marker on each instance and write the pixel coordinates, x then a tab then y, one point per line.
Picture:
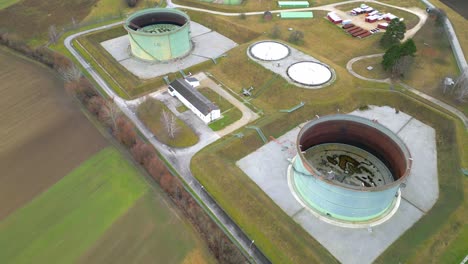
200	102
191	79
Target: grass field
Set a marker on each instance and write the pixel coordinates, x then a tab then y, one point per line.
360	67
112	8
37	117
7	3
31	19
148	232
101	212
150	113
435	56
230	114
73	213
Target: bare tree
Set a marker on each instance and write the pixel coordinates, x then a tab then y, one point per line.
74	23
461	86
296	37
110	114
54	35
125	132
71	73
275	32
170	124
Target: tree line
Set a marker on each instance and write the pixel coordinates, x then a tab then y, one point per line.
399	57
119	126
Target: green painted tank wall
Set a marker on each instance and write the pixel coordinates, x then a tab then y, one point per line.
338	202
162	46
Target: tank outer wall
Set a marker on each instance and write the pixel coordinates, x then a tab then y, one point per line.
163	46
342	201
338	202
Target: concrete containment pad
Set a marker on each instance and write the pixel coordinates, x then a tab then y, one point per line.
267	167
208	45
280	61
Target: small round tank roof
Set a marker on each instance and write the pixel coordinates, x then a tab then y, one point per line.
309	73
269	51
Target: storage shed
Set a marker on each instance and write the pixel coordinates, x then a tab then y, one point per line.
194	100
334	18
382	25
293	15
293	4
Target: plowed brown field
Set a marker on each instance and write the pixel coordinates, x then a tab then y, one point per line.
43	134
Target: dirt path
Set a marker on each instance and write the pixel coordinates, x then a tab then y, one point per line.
247	114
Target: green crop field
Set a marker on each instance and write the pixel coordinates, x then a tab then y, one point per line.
7	3
73	213
80	213
148	232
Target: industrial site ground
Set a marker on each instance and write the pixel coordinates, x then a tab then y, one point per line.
268	167
439	236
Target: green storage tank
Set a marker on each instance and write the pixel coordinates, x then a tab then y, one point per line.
349	168
159	34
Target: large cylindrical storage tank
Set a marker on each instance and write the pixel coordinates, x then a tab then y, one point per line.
159	34
349	168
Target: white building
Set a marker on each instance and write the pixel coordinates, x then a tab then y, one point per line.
194	100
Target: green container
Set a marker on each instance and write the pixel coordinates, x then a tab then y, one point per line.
159	34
